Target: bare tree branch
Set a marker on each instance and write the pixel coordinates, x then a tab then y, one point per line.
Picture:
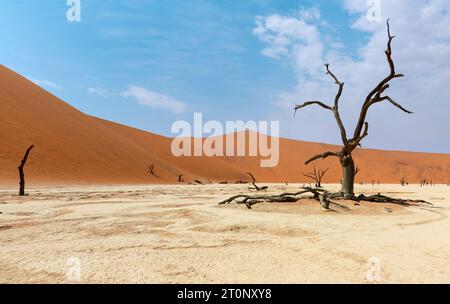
375	95
253	178
309	175
364	135
335	109
309	103
323	156
396	104
317	176
255	186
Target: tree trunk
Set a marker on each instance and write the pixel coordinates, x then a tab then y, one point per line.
348	175
21	182
21	174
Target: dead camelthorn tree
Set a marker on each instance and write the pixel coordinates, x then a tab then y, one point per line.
317	176
377	95
21	173
180	178
151	170
356	171
255	186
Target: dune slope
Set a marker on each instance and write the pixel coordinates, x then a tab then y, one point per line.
75	148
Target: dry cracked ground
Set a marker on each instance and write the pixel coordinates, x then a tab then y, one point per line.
179	234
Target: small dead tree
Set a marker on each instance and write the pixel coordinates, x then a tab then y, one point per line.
151	170
316	175
356	171
423	182
255	186
376	95
403	181
21	173
180	178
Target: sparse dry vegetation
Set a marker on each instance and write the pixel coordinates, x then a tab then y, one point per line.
316	176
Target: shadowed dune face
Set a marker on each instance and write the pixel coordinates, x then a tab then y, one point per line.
75	148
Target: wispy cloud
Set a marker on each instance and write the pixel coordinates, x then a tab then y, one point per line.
152	99
47	83
293	37
100	92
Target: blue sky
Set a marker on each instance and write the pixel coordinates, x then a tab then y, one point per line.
198	55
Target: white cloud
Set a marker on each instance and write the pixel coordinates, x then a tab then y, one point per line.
47	83
310	14
421	52
100	92
154	100
289	36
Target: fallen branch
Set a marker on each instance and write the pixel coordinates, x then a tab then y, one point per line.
318	194
379	198
324	197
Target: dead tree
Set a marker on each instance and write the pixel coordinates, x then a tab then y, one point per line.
403	181
180	178
423	182
151	170
21	173
377	95
255	186
317	176
356	171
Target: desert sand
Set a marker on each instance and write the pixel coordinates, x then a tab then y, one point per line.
72	148
179	234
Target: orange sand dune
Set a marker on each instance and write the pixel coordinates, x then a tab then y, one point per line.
75	148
